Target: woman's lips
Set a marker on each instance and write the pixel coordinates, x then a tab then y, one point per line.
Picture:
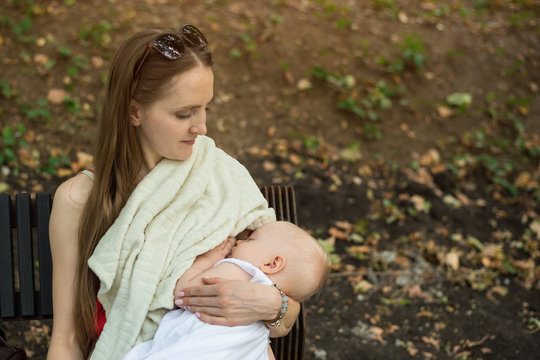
190	142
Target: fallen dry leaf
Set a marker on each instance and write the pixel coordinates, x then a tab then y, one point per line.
419	203
403	17
97	62
345	225
56	96
338	234
268	165
535	227
452	259
304	84
41	59
424	313
431	341
376	333
84	161
431	158
444	111
496	290
363	286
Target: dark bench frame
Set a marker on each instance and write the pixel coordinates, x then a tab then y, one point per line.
26	264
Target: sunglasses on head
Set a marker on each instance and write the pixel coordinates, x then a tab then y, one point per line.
173	46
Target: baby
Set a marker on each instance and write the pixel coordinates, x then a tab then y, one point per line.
276	253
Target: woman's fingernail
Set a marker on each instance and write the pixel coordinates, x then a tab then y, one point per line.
179	302
181	293
188	308
198	315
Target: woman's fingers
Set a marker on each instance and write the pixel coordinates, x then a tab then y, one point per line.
205	290
211	280
215	320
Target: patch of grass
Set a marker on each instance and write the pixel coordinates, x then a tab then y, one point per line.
7	91
11	139
37	110
413	50
96	34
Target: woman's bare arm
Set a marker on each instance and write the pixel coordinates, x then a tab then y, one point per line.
231	303
288	320
66	212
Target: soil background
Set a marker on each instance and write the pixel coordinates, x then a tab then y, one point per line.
427	203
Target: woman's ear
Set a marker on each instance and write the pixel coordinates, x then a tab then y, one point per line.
135	113
274	266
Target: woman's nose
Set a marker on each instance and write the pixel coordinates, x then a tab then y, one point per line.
199	125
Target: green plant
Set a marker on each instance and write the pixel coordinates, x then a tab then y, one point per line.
64	51
11	139
378	98
330	249
498	171
39	110
413	50
343	23
55	162
6	89
21	29
343	83
72	105
372	130
460	100
77	63
250	46
384	3
97	34
350	104
235	53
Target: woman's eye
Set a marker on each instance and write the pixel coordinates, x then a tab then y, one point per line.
183	116
207	108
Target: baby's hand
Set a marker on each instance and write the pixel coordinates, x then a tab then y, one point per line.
220	252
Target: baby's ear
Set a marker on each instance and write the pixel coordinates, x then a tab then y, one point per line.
274	266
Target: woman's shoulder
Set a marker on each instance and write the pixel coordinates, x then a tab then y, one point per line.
74	192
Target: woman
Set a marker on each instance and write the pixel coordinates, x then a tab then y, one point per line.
154	113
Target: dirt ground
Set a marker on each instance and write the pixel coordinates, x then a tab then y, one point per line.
409	129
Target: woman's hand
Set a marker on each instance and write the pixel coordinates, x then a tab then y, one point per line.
234	302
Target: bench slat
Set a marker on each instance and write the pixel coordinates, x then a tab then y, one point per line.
25	250
43	212
7	285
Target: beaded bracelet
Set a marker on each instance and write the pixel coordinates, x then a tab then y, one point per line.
284	305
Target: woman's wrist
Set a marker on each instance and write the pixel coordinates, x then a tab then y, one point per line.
283	309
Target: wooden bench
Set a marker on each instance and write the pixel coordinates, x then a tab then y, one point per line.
26	265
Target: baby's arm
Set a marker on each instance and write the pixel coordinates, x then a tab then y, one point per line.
203	263
228	271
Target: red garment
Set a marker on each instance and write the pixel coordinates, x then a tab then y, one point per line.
101	318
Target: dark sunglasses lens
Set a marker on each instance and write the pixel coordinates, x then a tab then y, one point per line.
194	36
170	46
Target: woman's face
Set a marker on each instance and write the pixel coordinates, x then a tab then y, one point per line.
169	127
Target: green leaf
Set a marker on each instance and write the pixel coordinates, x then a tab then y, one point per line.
475	243
461	100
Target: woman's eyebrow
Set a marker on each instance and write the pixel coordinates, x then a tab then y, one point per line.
189	107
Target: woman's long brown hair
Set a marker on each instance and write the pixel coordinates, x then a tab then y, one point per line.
118	158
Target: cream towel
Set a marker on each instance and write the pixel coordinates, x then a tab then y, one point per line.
178	211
